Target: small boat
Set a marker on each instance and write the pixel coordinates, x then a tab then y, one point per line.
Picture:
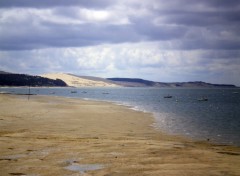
203	99
168	96
235	92
84	92
74	91
105	93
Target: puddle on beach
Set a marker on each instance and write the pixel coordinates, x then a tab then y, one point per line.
13	157
82	168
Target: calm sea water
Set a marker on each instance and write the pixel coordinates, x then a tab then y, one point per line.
217	119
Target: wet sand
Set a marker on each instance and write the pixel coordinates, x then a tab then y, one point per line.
63	136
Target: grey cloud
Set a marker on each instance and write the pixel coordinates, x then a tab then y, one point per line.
149	31
36	62
71	12
192	5
217	44
204	13
54	3
58	35
186	24
223	3
201	18
223	54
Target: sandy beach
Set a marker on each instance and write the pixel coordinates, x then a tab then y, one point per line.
47	136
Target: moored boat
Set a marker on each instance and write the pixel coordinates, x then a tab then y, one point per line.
168	96
203	99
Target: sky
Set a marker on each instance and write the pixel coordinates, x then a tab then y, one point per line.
159	40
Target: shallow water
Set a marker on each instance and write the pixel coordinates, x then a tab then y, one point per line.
82	168
217	119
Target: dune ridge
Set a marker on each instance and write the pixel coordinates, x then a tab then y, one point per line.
75	81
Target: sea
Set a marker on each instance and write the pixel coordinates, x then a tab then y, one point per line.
216	120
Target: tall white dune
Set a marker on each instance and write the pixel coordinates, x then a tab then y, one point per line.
76	81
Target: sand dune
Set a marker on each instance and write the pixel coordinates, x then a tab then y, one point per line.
75	81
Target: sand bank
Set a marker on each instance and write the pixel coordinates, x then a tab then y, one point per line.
62	136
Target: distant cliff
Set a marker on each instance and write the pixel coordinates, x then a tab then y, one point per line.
135	82
10	79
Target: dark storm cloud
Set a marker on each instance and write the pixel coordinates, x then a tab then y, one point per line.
54	3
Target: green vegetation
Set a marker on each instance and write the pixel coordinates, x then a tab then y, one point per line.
28	80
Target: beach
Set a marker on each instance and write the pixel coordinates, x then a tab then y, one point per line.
48	135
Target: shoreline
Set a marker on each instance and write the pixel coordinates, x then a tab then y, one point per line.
50	135
131	107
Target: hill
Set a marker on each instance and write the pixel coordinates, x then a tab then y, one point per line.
64	79
80	81
11	79
135	82
132	82
3	72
